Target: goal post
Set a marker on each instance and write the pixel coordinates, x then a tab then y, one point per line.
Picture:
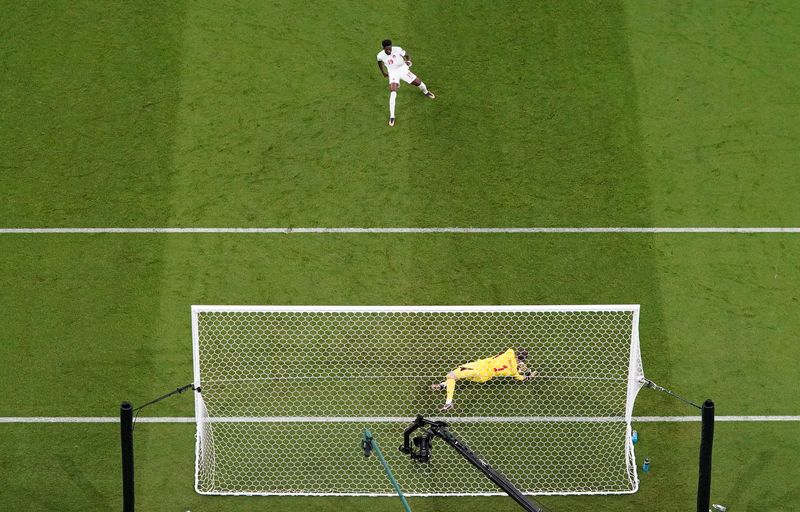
286	391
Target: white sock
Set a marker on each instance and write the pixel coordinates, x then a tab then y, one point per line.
423	88
448	402
392	98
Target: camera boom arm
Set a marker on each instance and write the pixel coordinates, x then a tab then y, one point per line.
439	429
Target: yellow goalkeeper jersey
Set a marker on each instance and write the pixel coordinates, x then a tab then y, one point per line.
503	365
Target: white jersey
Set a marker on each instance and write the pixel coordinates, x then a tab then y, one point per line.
394	61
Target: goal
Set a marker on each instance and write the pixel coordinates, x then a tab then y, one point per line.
286	391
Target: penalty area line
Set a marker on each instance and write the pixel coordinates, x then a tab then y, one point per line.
390	419
388	230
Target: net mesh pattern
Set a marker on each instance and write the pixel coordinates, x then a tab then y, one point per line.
286	395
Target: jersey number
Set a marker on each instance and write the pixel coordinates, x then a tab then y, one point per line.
390	61
500	369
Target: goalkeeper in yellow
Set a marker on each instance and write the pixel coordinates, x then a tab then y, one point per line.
507	364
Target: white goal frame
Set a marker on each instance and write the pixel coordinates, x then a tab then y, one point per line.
634	383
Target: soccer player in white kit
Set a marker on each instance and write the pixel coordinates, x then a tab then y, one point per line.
394	62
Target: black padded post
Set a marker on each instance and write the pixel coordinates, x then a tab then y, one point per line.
126	438
706	444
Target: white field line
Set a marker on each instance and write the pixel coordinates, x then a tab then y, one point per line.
289	230
390	419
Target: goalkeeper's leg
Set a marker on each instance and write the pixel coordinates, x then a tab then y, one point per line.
450	383
440	386
451	387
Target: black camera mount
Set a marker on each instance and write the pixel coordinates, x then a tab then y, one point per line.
419	448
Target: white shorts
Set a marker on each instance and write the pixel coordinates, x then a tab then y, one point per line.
403	74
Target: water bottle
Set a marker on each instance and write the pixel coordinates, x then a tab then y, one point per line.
635	437
646	466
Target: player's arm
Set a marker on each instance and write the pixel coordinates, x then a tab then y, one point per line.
407	58
382	68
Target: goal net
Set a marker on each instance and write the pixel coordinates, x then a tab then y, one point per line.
287	390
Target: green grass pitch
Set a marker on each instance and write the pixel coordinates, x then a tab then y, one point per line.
273	114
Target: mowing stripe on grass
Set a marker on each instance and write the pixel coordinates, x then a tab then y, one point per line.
11	231
385	419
